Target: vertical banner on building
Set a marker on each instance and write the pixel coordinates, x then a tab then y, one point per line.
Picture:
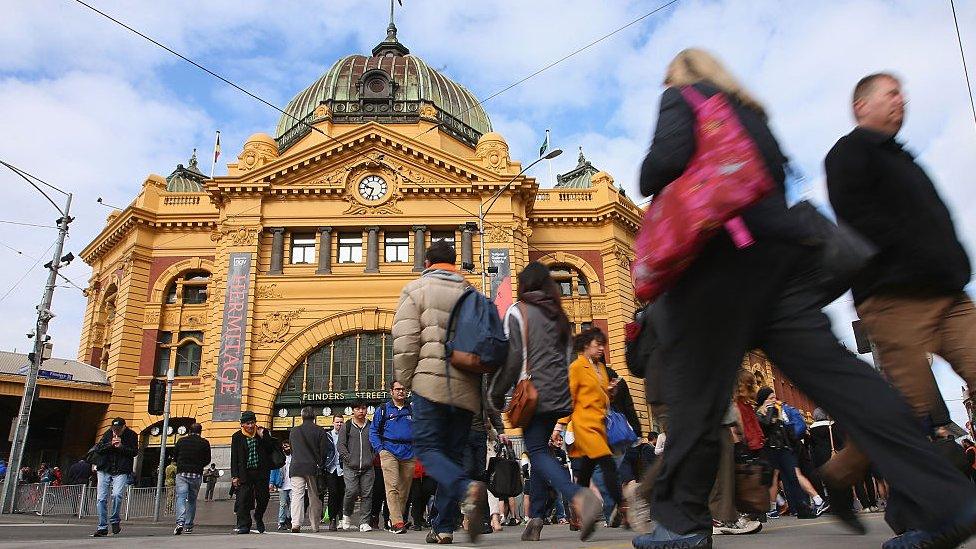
233	334
501	282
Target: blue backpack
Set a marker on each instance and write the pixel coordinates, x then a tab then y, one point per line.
476	340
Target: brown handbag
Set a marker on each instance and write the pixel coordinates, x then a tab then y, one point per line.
525	398
752	482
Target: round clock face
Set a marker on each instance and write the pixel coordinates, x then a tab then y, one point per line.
372	187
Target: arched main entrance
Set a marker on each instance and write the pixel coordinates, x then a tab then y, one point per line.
334	376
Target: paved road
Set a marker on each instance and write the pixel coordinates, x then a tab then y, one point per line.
36	532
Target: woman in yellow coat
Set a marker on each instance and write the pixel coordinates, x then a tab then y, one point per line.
590	388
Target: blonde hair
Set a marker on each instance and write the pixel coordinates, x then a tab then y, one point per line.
694	65
745	390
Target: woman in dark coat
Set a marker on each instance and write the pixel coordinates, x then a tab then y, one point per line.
730	300
540	314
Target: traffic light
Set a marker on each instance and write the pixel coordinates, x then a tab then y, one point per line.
157	396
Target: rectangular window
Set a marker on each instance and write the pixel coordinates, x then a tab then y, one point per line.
350	248
565	287
447	236
188	354
585	326
163	353
302	248
397	246
344	364
194	294
371	362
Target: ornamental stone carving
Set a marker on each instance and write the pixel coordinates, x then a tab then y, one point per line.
322	112
267	291
428	111
239	236
259	150
151	316
275	327
498	234
522	226
598	307
194	320
492	151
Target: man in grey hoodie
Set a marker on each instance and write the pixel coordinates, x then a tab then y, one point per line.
357	468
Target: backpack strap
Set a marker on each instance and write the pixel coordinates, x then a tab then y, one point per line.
693	96
524	311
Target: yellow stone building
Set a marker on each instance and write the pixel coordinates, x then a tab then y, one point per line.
275	286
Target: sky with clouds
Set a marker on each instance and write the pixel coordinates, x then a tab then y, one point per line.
92	108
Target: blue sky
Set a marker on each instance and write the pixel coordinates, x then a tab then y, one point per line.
92	108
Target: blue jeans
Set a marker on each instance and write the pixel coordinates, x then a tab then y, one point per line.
440	433
187	490
284	508
546	471
117	484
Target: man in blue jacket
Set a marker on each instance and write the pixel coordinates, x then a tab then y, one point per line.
391	435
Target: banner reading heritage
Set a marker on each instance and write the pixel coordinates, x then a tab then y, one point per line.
233	333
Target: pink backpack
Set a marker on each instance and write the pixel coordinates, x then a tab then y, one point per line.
725	176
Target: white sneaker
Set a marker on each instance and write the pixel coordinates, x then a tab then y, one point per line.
344	523
365	528
741	526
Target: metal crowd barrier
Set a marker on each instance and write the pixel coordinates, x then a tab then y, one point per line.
28	497
61	500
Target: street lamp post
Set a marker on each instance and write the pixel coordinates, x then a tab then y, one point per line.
170	376
483	211
44	317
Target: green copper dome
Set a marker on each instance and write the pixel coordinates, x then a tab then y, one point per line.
186	179
390	87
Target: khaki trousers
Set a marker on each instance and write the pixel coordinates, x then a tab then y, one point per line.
721	502
904	329
397	477
299	485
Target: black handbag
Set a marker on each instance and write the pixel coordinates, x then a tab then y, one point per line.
504	477
842	251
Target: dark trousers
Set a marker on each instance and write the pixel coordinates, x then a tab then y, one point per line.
421	490
546	471
476	464
336	489
784	461
208	496
440	432
718	311
252	494
379	510
610	477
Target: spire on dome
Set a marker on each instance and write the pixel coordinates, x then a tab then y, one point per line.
391	46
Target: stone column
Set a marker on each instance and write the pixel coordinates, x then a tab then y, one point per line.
373	250
418	247
325	251
467	254
277	250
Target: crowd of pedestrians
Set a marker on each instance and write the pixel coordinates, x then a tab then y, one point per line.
731	455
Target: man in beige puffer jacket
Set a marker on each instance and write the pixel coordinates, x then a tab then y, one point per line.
443	398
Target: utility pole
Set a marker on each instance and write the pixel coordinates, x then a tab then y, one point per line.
44	317
170	375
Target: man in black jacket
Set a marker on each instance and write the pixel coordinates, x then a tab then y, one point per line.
310	447
192	454
911	297
250	471
116	449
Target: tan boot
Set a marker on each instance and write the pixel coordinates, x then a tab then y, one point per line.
588	510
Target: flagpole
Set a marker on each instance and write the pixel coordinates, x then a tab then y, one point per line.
213	163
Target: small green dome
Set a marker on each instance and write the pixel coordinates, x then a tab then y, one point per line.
390	87
186	179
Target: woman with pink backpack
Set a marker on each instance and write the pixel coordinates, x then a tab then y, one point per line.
743	273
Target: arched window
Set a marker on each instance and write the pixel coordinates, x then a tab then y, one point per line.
106	316
570	280
357	362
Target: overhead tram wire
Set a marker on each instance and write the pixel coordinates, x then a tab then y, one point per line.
962	54
339	142
9	222
28	256
26	273
560	60
27	177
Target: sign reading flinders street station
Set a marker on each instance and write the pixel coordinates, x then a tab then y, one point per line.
275	285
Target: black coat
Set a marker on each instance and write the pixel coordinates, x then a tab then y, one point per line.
310	447
192	454
78	473
238	454
877	188
118	461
